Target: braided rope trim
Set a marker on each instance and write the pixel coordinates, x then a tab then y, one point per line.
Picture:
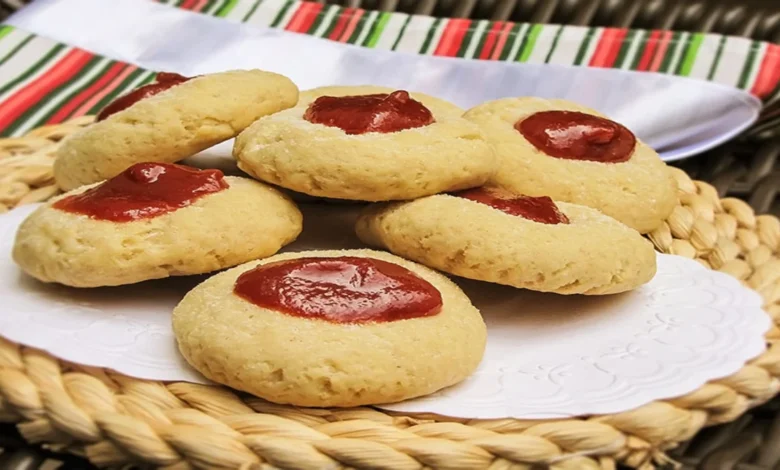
114	420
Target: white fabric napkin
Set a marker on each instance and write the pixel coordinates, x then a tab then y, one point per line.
679	117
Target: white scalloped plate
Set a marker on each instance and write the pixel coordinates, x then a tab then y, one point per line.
548	356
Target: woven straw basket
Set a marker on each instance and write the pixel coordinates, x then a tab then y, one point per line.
115	420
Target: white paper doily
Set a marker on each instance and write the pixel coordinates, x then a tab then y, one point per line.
548	356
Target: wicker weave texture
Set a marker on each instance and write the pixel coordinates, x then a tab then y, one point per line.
749	170
114	420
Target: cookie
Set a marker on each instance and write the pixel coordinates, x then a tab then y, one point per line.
532	243
331	328
571	153
366	144
153	221
169	121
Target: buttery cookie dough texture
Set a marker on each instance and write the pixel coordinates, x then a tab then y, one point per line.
172	125
592	254
286	150
246	221
310	362
639	192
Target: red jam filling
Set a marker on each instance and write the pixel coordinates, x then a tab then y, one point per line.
164	81
539	209
369	113
573	135
345	289
143	191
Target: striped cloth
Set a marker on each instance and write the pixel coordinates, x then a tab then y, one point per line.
735	61
45	82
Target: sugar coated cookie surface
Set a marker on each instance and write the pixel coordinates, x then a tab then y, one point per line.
571	153
153	221
168	121
531	243
366	143
331	328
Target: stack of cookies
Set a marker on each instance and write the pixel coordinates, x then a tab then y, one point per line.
536	194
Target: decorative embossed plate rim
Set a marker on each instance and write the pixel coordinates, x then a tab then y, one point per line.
698	325
692	325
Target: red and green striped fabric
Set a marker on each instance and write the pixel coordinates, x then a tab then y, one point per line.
749	65
45	82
